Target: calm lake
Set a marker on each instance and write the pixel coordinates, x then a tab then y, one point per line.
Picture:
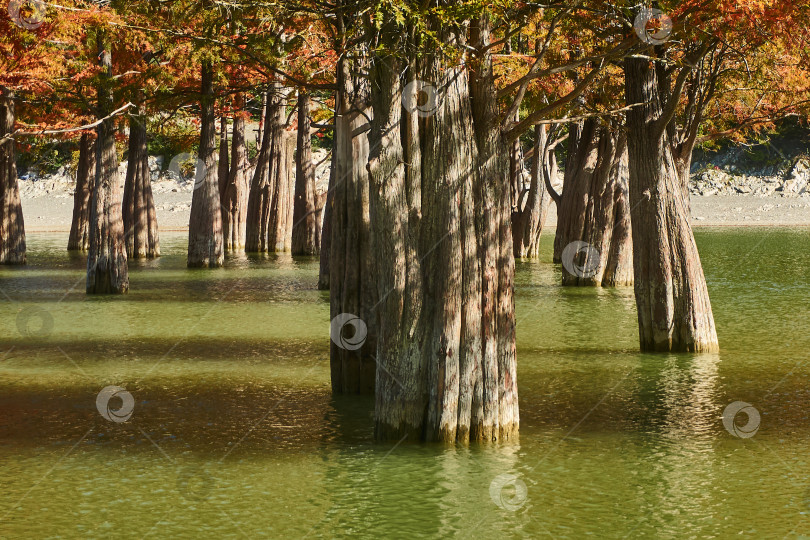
234	432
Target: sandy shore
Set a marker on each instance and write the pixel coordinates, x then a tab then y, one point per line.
52	212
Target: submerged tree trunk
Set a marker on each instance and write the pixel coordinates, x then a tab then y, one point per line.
234	196
674	311
593	225
306	235
352	289
79	239
529	216
205	222
140	218
270	202
12	228
442	244
107	271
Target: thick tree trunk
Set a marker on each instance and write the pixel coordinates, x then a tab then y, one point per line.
79	239
674	311
205	222
593	224
529	216
107	271
140	218
352	290
270	203
234	197
306	236
12	228
442	242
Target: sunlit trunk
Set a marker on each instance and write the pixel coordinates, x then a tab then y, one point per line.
140	218
12	228
306	238
79	239
235	193
674	311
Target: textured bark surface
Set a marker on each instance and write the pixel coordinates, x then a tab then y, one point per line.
270	202
352	289
442	239
107	271
306	235
594	210
205	222
326	226
79	239
674	311
529	214
223	169
235	194
140	218
12	227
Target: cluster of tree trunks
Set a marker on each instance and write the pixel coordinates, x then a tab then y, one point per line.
532	202
306	234
140	219
674	311
441	234
79	239
234	192
107	271
205	222
594	207
12	228
270	202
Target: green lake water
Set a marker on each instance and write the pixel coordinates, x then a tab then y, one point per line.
235	434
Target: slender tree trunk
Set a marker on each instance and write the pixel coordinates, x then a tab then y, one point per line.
205	222
532	205
140	217
270	203
594	222
352	291
306	237
12	228
79	239
442	242
107	271
234	198
223	169
674	311
326	227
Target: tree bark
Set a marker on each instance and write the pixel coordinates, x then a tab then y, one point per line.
531	208
593	224
107	271
352	289
205	222
326	227
79	239
674	311
234	197
442	243
270	203
12	227
140	218
223	171
306	236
